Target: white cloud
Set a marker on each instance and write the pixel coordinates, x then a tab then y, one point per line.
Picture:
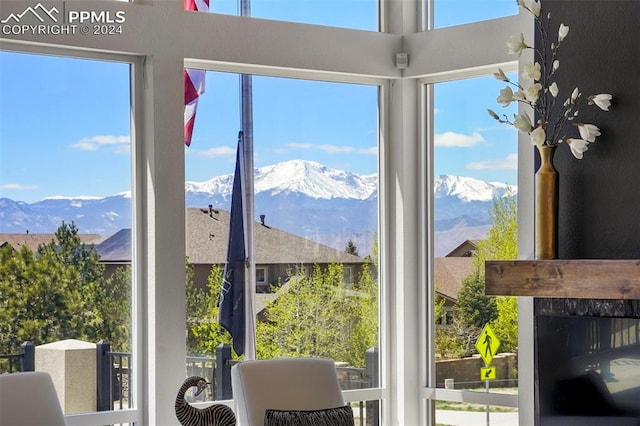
369	151
94	143
19	186
221	151
510	162
335	149
458	140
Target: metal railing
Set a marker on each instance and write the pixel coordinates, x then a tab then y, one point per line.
25	360
114	377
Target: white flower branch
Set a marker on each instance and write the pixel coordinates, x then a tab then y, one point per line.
539	90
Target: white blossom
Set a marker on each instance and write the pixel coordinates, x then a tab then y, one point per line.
538	89
535	7
516	45
603	101
578	147
532	92
532	71
500	75
538	136
574	95
562	32
588	132
519	96
506	97
522	122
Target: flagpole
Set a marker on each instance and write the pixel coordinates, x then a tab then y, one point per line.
246	113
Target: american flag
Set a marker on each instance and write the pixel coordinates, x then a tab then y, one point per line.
193	80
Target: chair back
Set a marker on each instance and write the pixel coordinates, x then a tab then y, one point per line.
283	384
29	399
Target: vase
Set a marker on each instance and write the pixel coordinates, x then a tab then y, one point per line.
546	205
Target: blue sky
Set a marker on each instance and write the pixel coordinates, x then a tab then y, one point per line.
64	123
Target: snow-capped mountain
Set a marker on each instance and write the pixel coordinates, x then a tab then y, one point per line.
458	197
326	205
290	177
469	189
314	180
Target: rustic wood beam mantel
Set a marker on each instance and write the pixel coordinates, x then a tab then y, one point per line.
571	278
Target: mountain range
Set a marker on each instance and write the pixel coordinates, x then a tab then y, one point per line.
305	198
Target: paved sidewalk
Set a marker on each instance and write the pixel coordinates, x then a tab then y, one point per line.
473	418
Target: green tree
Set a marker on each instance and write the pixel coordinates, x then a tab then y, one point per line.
351	248
361	309
33	302
113	304
204	333
316	315
310	315
474	307
447	344
505	326
501	243
60	292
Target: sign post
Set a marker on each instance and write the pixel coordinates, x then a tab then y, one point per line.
487	346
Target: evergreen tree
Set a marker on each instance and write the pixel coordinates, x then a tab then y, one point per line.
351	248
60	292
474	307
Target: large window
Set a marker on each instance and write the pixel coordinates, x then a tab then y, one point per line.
315	219
475	219
66	281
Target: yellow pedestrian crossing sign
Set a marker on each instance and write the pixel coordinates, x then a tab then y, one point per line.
487	344
488	373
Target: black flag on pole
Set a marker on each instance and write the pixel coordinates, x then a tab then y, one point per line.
232	303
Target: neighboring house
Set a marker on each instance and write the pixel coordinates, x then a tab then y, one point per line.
450	272
207	237
466	249
33	241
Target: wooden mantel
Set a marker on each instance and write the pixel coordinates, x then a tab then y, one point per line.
571	278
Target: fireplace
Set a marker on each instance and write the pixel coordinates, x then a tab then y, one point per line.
587	361
587	336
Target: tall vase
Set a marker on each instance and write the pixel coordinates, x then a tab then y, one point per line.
546	205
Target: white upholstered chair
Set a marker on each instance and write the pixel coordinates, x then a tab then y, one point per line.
29	399
283	384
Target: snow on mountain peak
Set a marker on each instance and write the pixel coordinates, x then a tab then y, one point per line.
321	182
470	189
298	176
314	180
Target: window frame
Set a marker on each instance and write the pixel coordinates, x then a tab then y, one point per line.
265	277
440	394
134	414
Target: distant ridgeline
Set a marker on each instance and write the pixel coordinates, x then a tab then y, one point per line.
304	198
